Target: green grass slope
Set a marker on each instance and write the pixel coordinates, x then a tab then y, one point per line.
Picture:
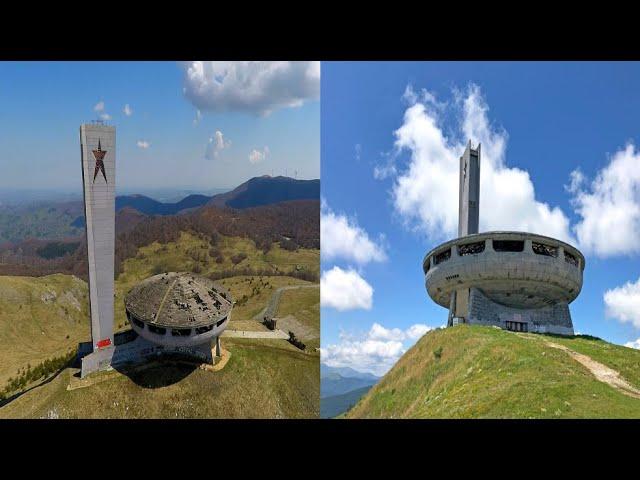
40	318
263	379
484	372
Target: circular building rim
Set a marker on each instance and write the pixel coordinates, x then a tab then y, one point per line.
508	235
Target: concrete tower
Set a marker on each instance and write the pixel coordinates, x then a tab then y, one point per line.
518	281
98	157
468	219
469	192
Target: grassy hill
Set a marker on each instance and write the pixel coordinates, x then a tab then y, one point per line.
484	372
263	379
41	318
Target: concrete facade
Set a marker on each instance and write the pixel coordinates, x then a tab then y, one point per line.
98	158
134	349
514	280
554	318
469	192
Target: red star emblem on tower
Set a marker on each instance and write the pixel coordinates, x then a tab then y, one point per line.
99	156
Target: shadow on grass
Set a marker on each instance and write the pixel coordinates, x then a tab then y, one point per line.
166	370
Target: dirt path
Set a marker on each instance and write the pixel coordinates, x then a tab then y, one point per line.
602	373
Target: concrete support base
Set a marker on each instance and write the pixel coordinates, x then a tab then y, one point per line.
97	361
218	349
131	349
554	318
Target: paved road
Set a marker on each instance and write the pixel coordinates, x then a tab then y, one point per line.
279	334
269	311
272	307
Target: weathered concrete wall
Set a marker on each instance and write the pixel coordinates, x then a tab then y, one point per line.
98	155
469	192
168	340
519	279
554	318
137	351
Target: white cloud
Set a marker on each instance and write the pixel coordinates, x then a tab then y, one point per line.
216	144
610	206
576	180
425	191
376	351
623	303
255	87
99	109
342	237
127	110
416	331
256	156
143	144
345	290
378	332
358	149
633	344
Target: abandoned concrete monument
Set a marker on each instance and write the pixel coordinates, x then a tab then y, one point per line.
514	280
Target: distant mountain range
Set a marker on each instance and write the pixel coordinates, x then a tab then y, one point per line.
255	192
341	388
266	190
149	206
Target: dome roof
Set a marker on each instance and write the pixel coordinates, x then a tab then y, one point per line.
178	300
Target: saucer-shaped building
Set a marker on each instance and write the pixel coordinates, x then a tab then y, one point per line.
515	280
179	310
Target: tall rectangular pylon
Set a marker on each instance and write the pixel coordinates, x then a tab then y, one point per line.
469	192
98	156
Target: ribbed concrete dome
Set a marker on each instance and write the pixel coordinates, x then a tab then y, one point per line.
178	300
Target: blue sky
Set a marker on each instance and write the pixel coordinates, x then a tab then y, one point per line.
42	105
544	119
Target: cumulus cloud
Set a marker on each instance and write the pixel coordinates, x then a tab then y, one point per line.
623	303
99	109
633	344
345	290
256	156
609	206
127	110
376	351
425	190
255	87
217	143
143	144
342	237
416	331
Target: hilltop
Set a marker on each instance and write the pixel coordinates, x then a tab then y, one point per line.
485	372
262	378
266	190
